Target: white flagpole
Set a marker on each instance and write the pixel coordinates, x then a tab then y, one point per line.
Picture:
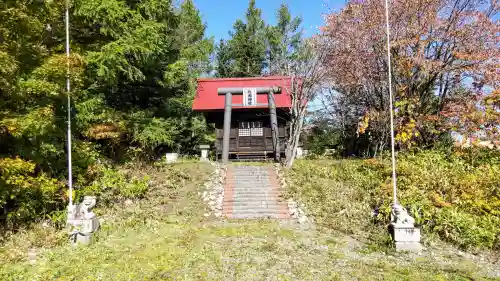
68	89
390	101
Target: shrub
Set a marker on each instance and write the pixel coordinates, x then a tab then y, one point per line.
467	230
24	196
454	194
111	185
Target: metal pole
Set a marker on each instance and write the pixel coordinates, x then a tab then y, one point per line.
390	102
68	89
227	128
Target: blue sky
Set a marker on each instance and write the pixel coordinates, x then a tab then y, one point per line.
219	15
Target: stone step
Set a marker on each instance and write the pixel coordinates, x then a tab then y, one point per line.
258	188
257	216
249	184
252	193
250	196
250	201
254	203
257	210
253	180
237	167
260	174
254	189
255	192
243	181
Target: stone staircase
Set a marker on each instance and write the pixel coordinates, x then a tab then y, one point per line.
253	192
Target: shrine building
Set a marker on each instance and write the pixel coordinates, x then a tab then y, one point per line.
250	115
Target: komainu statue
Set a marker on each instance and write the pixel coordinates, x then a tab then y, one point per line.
400	217
82	221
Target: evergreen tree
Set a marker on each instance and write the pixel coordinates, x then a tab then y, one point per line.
224	60
133	66
283	41
255	49
247	46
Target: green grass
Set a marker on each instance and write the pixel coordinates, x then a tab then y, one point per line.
166	237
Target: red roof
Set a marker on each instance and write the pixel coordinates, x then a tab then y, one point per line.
207	97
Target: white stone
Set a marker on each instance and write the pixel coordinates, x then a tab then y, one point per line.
302	219
171	157
204	155
299	153
32	255
128	202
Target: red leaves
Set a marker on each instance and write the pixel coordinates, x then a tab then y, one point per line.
445	58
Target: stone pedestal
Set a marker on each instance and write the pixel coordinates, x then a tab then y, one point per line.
83	230
406	238
171	157
204	152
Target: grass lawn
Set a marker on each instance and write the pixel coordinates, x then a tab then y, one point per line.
165	236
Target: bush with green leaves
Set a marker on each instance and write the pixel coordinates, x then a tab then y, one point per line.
111	185
454	195
25	196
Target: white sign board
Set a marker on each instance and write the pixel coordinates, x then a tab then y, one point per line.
249	96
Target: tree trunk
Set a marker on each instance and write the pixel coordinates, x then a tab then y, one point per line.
293	141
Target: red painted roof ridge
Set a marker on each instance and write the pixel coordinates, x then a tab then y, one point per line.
244	78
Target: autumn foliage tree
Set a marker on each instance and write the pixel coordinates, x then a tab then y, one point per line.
445	55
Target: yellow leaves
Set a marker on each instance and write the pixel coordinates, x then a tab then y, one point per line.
407	133
438	201
104	131
12	129
14	166
372	161
37	121
363	124
372	117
